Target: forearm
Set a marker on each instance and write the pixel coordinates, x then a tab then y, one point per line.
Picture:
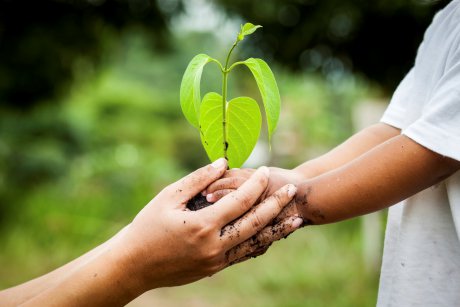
102	280
352	148
386	174
19	294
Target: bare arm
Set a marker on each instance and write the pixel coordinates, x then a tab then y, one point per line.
19	294
374	169
384	175
352	148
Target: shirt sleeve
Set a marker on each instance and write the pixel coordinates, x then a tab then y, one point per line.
395	113
438	128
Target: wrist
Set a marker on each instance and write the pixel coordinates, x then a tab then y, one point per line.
307	170
103	280
302	201
118	283
112	276
126	265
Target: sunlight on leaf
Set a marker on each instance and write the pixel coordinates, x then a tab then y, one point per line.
243	127
211	130
244	123
268	90
247	29
190	97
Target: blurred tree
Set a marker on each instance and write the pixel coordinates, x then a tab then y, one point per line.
41	40
376	38
43	45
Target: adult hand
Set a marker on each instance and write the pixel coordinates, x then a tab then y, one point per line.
169	245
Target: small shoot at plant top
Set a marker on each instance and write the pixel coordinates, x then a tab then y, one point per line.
230	128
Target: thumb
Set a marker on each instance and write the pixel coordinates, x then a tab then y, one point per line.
184	189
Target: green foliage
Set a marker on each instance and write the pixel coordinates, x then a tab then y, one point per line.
43	41
211	118
243	121
41	45
268	90
190	97
230	129
247	29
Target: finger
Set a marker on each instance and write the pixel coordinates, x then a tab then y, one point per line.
258	244
254	254
234	172
258	217
183	190
239	172
230	183
289	210
216	196
238	202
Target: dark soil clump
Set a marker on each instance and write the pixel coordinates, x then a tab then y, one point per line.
198	202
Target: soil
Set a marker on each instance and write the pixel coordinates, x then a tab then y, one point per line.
198	202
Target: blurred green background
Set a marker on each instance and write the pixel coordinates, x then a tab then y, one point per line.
91	127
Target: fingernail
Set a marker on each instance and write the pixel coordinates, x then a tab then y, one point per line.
209	197
203	192
297	222
291	190
219	163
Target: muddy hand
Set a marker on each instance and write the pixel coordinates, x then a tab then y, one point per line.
279	228
230	181
234	178
174	246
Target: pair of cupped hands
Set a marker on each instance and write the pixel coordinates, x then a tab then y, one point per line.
170	245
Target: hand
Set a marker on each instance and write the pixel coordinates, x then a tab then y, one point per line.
168	245
234	178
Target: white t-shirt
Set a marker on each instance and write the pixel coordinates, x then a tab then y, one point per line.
421	259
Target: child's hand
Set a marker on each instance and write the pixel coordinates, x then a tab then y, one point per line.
229	182
234	178
279	177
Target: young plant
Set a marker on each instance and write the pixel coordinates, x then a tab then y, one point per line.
230	128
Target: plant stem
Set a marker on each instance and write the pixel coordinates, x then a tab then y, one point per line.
224	111
225	73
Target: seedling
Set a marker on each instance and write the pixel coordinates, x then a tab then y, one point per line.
230	129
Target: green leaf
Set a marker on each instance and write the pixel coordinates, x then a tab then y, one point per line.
211	130
190	97
247	29
243	122
268	90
